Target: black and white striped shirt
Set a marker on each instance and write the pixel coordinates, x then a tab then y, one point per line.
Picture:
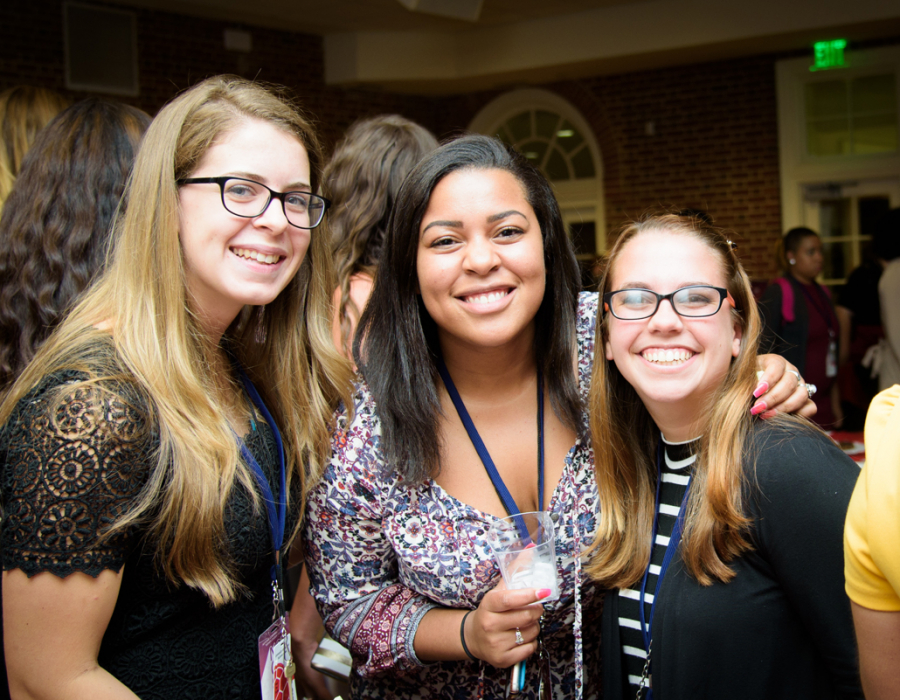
676	471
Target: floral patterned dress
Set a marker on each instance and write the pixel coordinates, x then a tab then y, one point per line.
381	553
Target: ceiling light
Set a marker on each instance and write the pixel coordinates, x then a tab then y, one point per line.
468	10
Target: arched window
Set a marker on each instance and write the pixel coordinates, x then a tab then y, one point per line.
554	136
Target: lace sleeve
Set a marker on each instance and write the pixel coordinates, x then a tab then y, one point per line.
74	456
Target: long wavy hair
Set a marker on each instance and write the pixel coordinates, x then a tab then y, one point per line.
625	436
397	345
285	347
55	225
24	111
362	180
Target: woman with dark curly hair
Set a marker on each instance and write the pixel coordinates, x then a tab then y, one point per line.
55	225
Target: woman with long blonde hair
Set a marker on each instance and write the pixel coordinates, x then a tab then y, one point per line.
147	492
721	534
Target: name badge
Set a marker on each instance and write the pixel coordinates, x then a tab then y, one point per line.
276	664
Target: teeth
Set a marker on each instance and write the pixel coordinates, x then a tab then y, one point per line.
667	355
485	298
253	255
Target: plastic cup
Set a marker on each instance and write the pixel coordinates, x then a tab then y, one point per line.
525	548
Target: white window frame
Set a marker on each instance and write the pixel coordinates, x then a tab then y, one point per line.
577	198
798	169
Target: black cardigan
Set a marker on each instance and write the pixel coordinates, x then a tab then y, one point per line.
782	627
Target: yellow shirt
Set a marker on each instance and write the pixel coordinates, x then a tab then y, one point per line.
872	530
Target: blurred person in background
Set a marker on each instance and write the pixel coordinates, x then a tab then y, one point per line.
24	111
55	226
884	358
800	322
362	180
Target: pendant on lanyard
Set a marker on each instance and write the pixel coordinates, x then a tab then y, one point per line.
276	662
516	683
646	682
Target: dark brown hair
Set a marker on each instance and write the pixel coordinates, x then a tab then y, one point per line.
362	180
55	224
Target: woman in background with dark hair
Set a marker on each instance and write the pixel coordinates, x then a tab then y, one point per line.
362	180
55	225
800	323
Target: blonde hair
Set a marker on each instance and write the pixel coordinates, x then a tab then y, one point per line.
624	436
24	111
285	347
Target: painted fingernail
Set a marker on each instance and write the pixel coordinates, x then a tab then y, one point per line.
543	593
760	389
530	545
758	408
769	414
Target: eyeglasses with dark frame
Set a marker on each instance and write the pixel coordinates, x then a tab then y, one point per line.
249	199
695	301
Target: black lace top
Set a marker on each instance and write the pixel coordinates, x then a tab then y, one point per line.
72	458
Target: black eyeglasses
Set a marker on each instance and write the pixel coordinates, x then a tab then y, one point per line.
695	301
249	199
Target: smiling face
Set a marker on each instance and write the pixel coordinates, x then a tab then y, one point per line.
480	260
231	261
675	364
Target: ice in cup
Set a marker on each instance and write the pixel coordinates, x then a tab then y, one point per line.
525	548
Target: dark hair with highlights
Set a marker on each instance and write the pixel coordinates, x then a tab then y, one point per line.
397	342
55	225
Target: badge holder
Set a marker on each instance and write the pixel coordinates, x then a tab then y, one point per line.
276	662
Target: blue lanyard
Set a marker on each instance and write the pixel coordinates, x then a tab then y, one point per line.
671	549
509	502
275	510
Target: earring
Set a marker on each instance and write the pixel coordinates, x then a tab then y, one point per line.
792	262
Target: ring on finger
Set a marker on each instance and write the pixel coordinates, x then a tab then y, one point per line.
796	374
519	640
811	390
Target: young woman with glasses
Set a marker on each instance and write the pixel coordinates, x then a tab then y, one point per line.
156	450
477	296
719	535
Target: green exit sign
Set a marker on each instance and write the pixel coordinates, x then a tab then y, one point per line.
828	54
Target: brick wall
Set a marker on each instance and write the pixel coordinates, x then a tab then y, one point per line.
176	51
714	146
